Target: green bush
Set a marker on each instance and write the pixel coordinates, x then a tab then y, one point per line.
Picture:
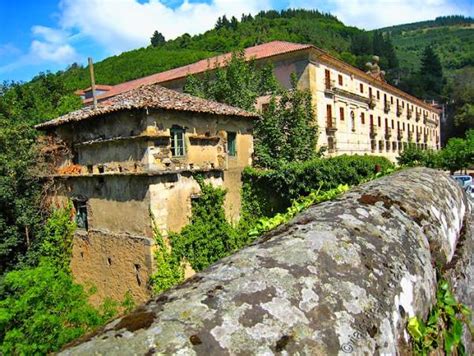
42	309
267	192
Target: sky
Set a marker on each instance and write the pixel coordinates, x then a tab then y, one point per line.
42	35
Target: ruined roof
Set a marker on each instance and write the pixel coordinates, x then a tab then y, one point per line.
150	96
257	52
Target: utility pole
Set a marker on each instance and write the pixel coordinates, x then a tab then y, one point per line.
91	70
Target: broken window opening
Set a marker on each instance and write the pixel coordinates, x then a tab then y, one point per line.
80	206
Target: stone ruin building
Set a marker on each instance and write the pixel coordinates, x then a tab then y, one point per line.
129	166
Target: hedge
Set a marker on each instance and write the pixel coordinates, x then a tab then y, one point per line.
268	192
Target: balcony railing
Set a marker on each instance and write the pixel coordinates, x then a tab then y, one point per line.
418	116
373	130
386	107
372	102
331	125
329	85
399	110
399	134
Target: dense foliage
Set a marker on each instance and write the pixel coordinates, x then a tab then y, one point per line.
267	192
428	82
41	308
238	83
458	154
286	131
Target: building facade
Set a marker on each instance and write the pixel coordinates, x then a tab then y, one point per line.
129	168
357	112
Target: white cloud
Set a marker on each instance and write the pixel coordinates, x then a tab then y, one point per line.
372	14
49	46
120	25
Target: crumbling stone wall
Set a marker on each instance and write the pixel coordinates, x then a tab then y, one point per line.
341	278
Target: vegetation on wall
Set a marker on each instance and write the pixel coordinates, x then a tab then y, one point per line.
209	236
443	328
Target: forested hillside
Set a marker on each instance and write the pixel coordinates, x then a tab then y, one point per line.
303	26
452	38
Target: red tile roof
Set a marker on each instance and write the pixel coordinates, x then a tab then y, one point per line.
257	52
262	51
149	96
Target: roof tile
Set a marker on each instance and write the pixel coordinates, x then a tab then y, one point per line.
149	96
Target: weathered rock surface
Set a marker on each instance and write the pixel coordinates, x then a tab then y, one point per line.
342	277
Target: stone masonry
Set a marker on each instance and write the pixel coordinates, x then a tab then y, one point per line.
343	277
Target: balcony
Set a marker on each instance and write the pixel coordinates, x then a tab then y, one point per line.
329	86
388	133
409	113
399	134
386	107
372	102
399	110
331	127
418	116
373	131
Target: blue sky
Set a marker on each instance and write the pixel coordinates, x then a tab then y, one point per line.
51	34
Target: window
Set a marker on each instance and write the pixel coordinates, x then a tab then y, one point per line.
177	141
378	94
231	143
341	114
393	125
80	206
379	122
403	126
362	118
339	78
329	122
361	87
391	100
327	78
370	92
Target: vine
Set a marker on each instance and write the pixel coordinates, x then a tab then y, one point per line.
444	326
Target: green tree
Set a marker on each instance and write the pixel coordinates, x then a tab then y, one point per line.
287	130
454	155
19	192
157	39
238	83
431	74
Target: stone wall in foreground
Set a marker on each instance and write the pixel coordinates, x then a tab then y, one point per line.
341	278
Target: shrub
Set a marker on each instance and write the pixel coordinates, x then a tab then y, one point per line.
43	309
267	192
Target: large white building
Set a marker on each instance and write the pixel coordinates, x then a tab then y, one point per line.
357	112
